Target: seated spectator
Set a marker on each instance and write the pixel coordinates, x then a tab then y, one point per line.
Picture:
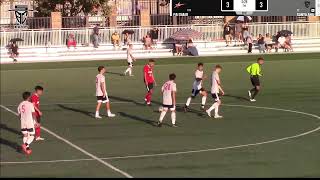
190	43
179	49
14	51
147	42
268	41
115	38
281	42
126	40
191	49
71	41
154	36
288	43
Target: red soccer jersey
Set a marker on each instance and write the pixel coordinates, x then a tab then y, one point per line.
148	74
36	101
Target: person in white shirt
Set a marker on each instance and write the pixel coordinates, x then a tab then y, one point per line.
101	93
215	89
197	88
27	117
169	90
130	60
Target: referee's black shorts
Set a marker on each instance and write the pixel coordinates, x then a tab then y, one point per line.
255	81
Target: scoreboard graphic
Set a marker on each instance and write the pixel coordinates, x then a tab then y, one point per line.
245	7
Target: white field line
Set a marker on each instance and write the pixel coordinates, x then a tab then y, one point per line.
78	68
77	147
195	151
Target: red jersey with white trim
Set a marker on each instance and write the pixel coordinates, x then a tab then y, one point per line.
36	102
148	74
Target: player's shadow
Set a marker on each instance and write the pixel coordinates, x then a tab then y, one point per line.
6	128
147	121
114	73
11	144
133	101
87	113
237	97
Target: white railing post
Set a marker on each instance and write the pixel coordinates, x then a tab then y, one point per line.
5	41
60	37
268	28
32	38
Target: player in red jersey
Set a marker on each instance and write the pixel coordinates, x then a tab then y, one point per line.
149	80
35	99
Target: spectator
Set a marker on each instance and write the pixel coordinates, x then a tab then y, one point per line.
71	41
191	49
238	34
245	31
14	51
115	38
261	44
95	36
281	43
227	33
178	48
277	36
154	36
269	44
126	39
289	43
249	41
147	42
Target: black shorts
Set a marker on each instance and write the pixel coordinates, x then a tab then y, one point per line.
168	106
255	80
27	130
196	92
102	99
149	86
130	64
216	97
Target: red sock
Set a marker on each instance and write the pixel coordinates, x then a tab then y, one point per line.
37	133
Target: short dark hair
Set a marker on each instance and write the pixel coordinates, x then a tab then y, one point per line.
26	95
260	58
38	88
218	66
100	68
200	64
172	76
152	60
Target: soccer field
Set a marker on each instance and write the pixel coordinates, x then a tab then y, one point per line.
277	136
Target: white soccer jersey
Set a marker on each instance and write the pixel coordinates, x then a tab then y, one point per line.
100	79
197	85
215	81
25	109
129	53
167	90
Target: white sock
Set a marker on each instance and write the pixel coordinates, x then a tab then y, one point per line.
24	139
212	107
30	139
128	69
97	113
173	117
163	113
188	101
109	112
216	110
203	101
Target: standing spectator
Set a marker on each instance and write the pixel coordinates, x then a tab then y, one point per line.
95	36
147	42
71	41
249	41
14	51
238	34
154	36
261	44
245	31
227	33
269	43
115	38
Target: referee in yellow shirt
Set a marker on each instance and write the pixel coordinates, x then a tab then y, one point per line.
255	72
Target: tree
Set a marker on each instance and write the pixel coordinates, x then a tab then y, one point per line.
72	7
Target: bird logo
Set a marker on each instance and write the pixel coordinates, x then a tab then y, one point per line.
178	5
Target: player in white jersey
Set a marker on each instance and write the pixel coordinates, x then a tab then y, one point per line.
26	113
215	89
197	88
169	90
130	60
101	93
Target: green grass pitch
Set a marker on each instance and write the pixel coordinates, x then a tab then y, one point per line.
247	142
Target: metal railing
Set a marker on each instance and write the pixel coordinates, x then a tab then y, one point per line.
57	37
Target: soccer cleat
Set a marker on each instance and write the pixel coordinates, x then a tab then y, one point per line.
111	115
148	103
24	147
174	125
218	116
249	94
186	108
131	75
159	124
28	152
39	139
253	100
202	108
209	113
98	117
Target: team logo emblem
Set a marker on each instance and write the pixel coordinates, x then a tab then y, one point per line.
21	13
